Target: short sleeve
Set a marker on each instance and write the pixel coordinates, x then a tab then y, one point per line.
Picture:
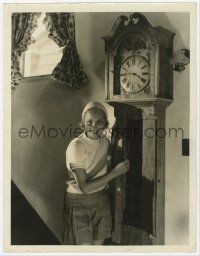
108	149
75	156
108	143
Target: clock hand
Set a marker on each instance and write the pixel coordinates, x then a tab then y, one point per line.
138	76
141	78
135	74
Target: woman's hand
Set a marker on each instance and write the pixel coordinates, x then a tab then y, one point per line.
122	167
87	185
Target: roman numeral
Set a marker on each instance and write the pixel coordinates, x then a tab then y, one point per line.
128	64
145	73
123	74
143	80
139	86
144	67
124	80
124	68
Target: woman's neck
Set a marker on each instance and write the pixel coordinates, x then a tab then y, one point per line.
91	135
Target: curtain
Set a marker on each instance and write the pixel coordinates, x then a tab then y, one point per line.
61	28
23	25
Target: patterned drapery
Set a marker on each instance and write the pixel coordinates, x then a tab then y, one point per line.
61	28
23	26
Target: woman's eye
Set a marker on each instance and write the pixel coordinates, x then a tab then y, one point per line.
89	122
100	122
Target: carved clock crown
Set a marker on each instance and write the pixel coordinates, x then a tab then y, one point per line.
137	65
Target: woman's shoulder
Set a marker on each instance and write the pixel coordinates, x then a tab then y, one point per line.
76	142
76	147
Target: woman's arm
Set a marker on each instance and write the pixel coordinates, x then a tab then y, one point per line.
109	158
87	186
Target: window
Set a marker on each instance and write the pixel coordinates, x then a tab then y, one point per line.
42	56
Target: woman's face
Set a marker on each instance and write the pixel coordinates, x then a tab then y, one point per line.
95	123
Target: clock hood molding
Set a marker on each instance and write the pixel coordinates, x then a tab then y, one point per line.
135	24
138	60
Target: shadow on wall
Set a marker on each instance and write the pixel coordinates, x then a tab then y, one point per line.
23	219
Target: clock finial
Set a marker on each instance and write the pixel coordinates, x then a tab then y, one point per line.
138	18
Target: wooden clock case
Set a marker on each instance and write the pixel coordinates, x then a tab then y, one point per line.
138	197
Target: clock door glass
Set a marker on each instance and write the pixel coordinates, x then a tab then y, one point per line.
134	74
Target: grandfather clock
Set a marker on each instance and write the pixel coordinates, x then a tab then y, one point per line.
139	85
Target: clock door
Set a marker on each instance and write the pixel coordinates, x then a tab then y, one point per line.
134	203
132	69
134	74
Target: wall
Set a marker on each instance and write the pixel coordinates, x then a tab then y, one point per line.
38	164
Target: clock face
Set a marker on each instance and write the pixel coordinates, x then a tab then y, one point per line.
134	74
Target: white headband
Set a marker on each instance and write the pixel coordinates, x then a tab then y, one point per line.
94	104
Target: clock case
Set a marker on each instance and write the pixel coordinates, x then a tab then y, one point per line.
135	35
138	197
